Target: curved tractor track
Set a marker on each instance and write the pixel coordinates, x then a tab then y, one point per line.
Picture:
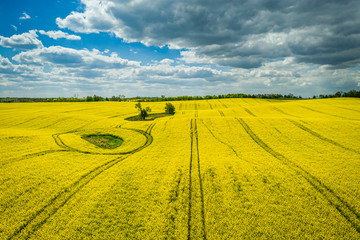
346	210
329	114
146	134
41	216
325	139
219	140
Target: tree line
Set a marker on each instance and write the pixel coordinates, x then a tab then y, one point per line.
352	93
120	98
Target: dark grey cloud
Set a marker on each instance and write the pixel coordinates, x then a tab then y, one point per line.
231	32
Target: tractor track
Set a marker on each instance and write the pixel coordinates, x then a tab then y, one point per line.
329	114
226	144
10	202
118	115
347	211
31	155
211	107
285	113
349	109
195	160
78	110
224	105
174	195
41	216
190	179
246	101
55	122
246	109
308	130
165	125
146	133
249	112
28	120
196	111
221	113
200	180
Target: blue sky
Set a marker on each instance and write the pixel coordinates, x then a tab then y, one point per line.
161	47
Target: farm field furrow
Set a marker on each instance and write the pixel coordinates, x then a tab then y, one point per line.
217	169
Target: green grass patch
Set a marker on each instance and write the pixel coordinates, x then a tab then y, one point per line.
106	141
151	117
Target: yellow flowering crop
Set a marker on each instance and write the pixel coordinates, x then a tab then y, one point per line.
217	169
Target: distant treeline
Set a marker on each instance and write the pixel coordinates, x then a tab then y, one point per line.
230	95
352	93
122	98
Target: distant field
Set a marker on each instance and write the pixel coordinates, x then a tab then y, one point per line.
217	169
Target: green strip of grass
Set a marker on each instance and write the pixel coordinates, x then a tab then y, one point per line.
151	117
106	141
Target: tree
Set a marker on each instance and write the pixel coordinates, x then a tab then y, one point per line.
169	108
143	112
121	97
338	94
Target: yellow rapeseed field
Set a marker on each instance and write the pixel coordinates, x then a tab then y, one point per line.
217	169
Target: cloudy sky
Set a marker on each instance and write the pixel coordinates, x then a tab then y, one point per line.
178	47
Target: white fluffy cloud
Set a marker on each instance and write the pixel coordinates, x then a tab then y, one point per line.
5	65
23	41
59	34
52	70
97	19
24	16
59	71
72	58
